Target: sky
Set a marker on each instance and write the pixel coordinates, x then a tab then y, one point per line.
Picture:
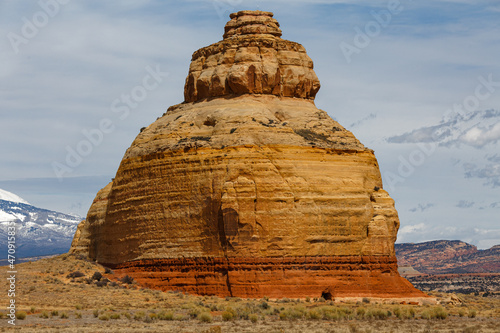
417	81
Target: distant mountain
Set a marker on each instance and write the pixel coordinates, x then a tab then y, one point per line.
38	231
8	196
448	257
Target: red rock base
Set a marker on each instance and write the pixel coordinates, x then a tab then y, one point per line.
293	277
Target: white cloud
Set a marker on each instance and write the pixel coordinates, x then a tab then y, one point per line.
410	229
482	238
479	136
476	129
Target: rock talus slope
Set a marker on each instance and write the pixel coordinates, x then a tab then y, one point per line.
247	189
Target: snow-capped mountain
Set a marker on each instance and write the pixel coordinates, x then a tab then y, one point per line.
8	196
38	231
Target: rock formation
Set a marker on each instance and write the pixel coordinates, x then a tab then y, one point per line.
448	257
247	189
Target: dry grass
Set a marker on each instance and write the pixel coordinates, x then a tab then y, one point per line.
54	295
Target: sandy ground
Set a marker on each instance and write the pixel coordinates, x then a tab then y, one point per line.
53	300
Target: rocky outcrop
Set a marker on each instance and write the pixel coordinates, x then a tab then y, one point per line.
88	230
251	60
448	257
294	277
247	189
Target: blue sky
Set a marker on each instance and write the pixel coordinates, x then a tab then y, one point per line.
423	91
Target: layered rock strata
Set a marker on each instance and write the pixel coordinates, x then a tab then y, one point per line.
251	59
247	189
448	257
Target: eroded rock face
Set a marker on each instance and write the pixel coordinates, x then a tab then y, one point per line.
251	59
448	257
247	189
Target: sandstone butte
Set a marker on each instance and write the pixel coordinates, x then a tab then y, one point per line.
246	188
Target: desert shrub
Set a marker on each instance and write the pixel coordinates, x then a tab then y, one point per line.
283	315
366	300
2	315
180	317
439	313
75	274
377	314
205	317
44	315
139	315
115	316
313	314
426	314
127	279
292	313
166	316
229	314
126	315
243	312
54	313
96	313
461	312
397	312
104	317
78	315
360	312
78	307
253	318
404	313
194	312
329	313
102	283
21	315
97	276
434	313
472	313
32	309
264	305
345	313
